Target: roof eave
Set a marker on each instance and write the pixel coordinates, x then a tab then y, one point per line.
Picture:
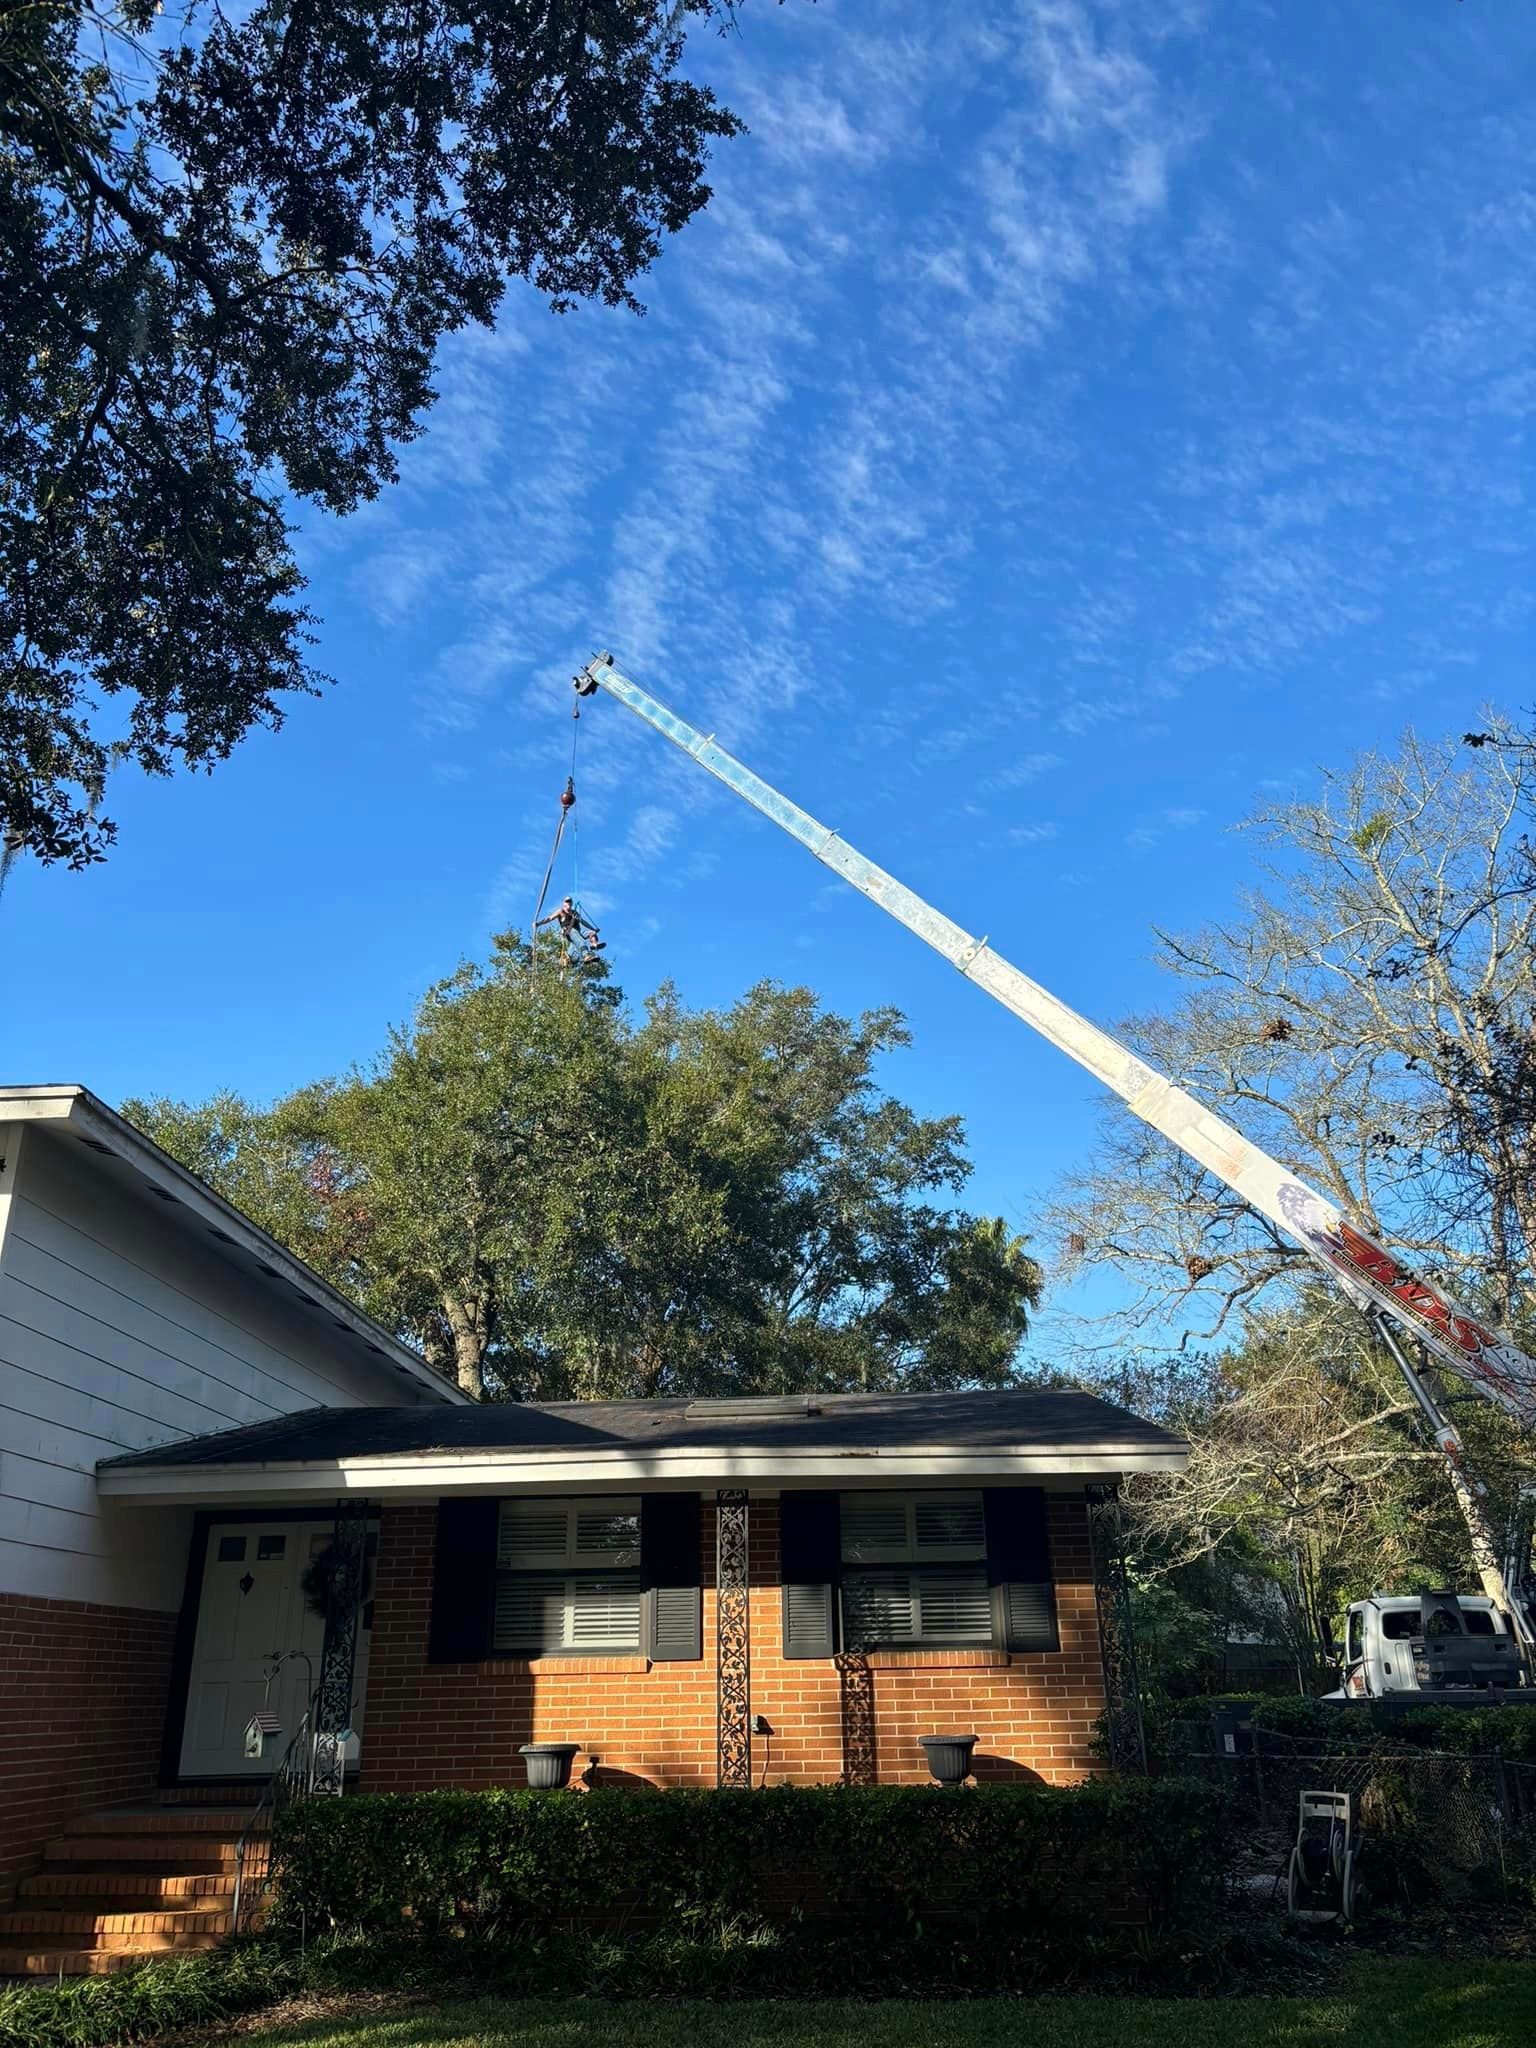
429	1475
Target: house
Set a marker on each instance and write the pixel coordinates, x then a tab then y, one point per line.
226	1491
136	1308
799	1588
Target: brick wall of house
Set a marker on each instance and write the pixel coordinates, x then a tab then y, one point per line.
461	1724
83	1693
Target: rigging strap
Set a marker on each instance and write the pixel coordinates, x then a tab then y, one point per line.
567	814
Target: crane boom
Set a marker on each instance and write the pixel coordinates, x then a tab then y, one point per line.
1371	1275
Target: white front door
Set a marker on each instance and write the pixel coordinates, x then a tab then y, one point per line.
252	1609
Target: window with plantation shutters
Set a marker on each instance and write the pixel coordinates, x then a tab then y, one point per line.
568	1576
915	1570
916	1526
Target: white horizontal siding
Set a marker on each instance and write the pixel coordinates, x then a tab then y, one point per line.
45	1482
120	1328
118	1559
133	1410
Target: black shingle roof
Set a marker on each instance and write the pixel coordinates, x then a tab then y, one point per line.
1020	1419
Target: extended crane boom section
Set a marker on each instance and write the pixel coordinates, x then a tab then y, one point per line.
1370	1273
1396	1299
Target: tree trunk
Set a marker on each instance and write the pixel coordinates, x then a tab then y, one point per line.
468	1351
467	1321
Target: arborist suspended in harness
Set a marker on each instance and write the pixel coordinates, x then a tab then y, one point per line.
574	927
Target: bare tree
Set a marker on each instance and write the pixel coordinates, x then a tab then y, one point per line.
1368	1019
1305	1473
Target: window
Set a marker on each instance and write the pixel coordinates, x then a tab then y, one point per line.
1478	1621
270	1547
1400	1624
915	1570
568	1576
231	1550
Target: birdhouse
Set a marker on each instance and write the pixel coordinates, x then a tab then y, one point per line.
261	1733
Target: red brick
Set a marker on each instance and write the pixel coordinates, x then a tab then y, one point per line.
461	1724
83	1692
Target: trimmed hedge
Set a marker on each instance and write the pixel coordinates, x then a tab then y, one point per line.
1130	1864
1509	1732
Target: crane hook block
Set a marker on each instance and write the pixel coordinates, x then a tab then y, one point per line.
568	794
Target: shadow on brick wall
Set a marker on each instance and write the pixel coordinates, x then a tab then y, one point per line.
999	1770
856	1713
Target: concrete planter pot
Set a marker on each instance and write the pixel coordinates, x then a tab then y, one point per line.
549	1764
949	1756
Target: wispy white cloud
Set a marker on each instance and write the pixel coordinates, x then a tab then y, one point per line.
1179	818
976	430
1019	774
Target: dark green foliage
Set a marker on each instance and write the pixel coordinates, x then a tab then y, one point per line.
1040	1875
1509	1732
232	242
557	1202
196	1990
737	1959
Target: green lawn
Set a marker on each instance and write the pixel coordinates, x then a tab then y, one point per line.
1387	2004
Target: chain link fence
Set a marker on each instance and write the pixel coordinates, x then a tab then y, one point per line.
1434	1820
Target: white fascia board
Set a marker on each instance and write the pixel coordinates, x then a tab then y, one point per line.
429	1476
32	1105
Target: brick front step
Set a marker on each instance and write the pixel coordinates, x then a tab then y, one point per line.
70	1962
237	1793
109	1925
149	1885
51	1942
161	1820
195	1853
122	1885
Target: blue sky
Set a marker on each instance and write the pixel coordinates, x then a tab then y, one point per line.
1070	424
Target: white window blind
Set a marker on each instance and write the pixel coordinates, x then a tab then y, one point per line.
948	1526
916	1606
874	1525
949	1603
535	1613
569	1575
880	1528
535	1532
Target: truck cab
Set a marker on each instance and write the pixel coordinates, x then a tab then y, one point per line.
1427	1643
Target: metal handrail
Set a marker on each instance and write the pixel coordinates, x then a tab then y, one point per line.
311	1763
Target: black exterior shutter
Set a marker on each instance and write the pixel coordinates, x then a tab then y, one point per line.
1019	1567
463	1581
671	1572
810	1550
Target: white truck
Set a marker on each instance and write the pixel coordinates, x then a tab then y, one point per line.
1431	1649
1418	1643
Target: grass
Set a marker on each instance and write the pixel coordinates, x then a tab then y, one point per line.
1383	2003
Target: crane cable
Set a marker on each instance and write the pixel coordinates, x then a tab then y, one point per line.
567	815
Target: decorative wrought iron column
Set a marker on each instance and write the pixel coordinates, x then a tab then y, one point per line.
733	1652
1117	1643
347	1562
856	1704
